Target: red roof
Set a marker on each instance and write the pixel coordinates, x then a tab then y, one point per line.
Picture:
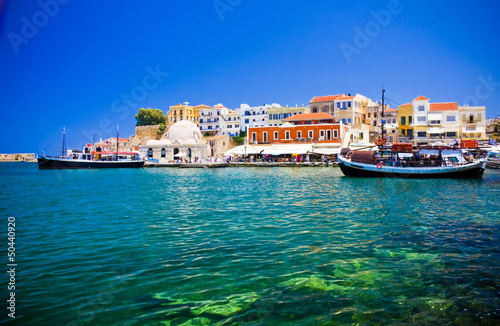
328	98
216	137
407	104
202	106
310	116
450	106
391	110
123	139
421	98
343	97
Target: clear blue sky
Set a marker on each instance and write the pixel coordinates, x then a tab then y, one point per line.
88	65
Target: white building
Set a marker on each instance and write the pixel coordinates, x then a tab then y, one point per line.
183	141
211	117
230	123
472	122
255	116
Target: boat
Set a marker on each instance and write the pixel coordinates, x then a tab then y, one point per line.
90	158
493	160
403	160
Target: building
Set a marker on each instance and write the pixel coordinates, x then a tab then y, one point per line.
434	121
109	145
325	104
278	114
211	118
183	141
230	123
254	116
472	122
218	145
301	128
184	111
405	119
390	122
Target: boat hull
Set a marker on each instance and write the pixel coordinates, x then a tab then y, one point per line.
61	163
472	170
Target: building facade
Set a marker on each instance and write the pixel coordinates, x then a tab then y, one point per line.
472	122
405	120
301	128
211	118
181	112
254	116
218	145
230	123
277	115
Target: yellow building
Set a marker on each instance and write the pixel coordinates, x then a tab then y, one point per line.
405	120
181	112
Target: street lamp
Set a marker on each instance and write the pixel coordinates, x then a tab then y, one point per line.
245	152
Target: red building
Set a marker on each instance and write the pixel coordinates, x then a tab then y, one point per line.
300	128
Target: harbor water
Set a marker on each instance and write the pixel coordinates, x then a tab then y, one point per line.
249	246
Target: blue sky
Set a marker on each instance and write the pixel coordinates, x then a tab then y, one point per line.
89	65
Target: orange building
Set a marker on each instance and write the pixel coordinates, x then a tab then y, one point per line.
300	128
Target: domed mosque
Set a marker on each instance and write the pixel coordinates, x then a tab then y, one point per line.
183	140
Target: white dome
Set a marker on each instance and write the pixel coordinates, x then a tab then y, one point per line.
152	142
184	130
190	141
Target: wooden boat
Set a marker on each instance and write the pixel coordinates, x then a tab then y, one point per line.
493	160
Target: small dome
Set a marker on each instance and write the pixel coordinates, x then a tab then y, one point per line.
184	130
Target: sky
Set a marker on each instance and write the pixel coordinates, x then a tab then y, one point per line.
90	65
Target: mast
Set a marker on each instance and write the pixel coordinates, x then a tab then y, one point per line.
117	141
63	150
383	107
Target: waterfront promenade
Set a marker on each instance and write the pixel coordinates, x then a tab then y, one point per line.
240	164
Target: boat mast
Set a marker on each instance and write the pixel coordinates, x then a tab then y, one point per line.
117	141
383	106
63	150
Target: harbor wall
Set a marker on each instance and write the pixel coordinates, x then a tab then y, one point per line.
18	157
143	134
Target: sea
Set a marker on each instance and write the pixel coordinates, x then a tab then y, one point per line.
247	246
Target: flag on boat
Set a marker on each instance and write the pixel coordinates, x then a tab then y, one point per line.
492	142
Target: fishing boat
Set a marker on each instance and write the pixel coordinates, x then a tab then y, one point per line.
493	160
403	160
90	158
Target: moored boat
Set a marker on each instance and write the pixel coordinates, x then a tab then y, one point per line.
493	160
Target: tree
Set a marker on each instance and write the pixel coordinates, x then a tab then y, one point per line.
148	117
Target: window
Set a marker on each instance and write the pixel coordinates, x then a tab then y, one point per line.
150	152
421	134
451	134
394	120
344	121
275	116
254	136
344	106
322	134
403	121
281	116
421	119
338	105
421	108
201	120
335	133
328	135
270	116
299	134
310	134
275	135
247	121
163	154
264	136
410	120
375	123
287	134
349	104
349	120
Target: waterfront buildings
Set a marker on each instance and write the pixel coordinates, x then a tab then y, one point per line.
405	120
218	145
278	114
254	116
230	123
109	145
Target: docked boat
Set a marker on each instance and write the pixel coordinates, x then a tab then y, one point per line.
493	160
90	158
402	161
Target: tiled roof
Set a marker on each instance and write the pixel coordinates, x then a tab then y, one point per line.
391	110
343	98
202	106
450	106
328	98
310	116
421	98
216	137
407	104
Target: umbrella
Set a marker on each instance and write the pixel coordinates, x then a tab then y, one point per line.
180	155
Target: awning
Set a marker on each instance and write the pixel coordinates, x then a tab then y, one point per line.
434	130
434	116
242	150
327	151
288	149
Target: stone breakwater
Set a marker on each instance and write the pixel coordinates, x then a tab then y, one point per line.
18	157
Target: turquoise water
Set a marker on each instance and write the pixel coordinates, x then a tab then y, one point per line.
250	246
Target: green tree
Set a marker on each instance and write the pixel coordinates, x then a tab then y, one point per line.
148	117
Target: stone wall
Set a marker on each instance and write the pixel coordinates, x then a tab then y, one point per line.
28	157
143	134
